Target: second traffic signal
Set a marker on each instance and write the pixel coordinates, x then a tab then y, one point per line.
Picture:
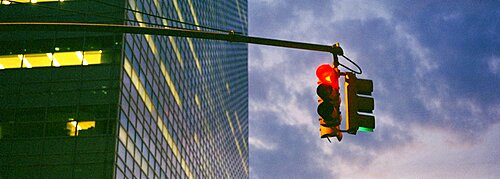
359	104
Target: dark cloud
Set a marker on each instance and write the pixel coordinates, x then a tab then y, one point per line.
456	40
271	18
288	159
259	86
463	36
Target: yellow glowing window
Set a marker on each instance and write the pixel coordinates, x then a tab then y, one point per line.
56	59
9	61
53	59
7	2
74	127
92	57
69	58
36	60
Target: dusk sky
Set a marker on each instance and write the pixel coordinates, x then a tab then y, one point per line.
435	66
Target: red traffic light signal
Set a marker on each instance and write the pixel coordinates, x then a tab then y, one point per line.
329	101
328	75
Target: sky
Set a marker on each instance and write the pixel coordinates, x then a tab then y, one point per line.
435	66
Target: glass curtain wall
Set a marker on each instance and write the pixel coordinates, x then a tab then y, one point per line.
184	101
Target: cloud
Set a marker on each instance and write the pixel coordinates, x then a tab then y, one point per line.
282	96
266	59
268	2
261	144
349	10
420	54
433	155
494	65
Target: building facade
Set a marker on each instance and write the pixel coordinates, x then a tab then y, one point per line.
111	105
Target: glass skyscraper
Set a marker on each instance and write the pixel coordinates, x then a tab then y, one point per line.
113	105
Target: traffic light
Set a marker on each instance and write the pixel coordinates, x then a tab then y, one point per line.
329	101
359	104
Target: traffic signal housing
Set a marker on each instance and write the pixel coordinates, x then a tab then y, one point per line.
329	101
359	104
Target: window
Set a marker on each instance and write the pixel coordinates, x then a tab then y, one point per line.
55	59
74	127
7	2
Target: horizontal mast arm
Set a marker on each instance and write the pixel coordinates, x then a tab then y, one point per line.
167	31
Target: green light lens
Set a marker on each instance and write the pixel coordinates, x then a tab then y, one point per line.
364	129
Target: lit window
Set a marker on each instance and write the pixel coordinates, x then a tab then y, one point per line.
26	63
74	127
31	1
68	58
82	59
10	61
36	60
56	59
53	59
5	2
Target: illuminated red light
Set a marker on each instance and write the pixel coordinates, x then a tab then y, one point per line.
327	75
